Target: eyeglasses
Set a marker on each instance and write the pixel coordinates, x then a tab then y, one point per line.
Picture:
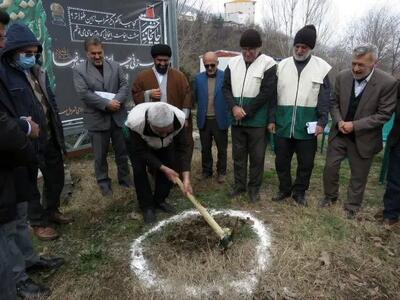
207	66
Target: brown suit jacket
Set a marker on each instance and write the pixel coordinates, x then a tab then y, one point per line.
374	110
178	89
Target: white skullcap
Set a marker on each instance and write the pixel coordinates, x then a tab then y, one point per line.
160	115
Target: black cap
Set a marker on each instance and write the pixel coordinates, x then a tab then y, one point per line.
307	35
250	38
161	49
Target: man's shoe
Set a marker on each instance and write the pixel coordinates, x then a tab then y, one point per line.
391	223
105	190
300	199
45	233
221	178
46	264
254	196
60	218
166	207
28	289
326	202
235	192
206	176
281	196
149	216
351	214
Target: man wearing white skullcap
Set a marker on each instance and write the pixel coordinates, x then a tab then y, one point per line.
157	139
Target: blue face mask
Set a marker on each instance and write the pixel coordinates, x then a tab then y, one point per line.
26	62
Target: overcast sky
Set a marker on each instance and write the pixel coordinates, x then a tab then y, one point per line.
342	11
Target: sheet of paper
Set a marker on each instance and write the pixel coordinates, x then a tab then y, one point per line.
311	126
106	95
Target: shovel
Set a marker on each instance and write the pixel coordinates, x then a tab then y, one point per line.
225	234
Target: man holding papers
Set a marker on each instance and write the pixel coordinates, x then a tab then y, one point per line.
102	87
301	114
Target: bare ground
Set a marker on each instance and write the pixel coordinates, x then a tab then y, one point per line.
316	254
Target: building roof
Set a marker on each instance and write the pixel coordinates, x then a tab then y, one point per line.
240	1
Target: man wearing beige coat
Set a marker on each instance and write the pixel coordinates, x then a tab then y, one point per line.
363	101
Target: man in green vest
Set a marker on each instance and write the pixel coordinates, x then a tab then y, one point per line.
301	114
249	87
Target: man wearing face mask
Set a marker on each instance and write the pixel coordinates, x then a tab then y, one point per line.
158	141
166	84
249	88
29	86
102	86
363	100
302	103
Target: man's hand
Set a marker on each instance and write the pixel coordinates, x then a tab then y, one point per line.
114	105
156	94
187	186
346	127
318	130
238	113
35	130
271	128
171	174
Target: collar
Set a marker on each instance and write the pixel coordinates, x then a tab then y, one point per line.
366	79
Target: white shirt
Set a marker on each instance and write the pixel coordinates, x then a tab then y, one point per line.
160	77
360	86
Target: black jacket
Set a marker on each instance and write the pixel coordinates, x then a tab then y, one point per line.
15	151
394	135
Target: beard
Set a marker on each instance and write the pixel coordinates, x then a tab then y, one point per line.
162	69
303	57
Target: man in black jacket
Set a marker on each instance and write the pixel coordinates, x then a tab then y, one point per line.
391	199
32	96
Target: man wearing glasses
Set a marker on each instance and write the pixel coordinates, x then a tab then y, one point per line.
32	96
249	86
212	116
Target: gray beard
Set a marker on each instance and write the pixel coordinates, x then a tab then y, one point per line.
301	58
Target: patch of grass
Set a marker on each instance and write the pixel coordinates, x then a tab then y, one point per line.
90	259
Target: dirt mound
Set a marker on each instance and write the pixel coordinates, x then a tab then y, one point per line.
189	251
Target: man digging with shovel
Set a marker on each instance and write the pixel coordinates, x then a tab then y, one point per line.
157	140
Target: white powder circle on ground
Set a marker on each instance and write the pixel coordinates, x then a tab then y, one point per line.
247	284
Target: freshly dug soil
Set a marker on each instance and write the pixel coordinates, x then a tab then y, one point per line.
189	251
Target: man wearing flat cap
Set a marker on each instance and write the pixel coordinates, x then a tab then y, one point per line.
249	87
301	114
165	84
157	139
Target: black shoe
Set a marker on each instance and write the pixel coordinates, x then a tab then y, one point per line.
105	190
235	192
351	214
28	289
300	199
206	175
281	196
325	202
126	184
166	207
254	196
46	263
149	216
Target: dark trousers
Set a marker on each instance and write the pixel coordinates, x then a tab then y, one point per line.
146	198
391	199
339	148
100	143
209	132
7	281
52	169
305	152
248	144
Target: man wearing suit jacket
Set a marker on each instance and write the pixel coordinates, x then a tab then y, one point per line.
363	101
104	114
212	116
391	199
